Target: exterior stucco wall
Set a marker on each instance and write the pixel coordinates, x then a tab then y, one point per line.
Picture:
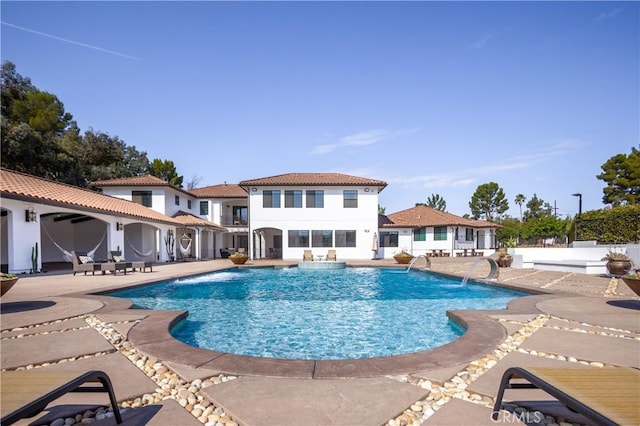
333	216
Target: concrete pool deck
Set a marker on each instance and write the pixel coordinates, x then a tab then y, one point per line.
51	321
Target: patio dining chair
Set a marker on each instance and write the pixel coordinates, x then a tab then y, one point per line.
331	255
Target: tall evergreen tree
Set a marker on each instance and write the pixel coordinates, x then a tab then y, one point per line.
166	170
435	201
622	176
488	201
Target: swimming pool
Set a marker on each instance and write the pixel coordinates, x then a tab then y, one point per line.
307	314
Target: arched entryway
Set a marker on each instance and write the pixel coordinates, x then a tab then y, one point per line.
267	243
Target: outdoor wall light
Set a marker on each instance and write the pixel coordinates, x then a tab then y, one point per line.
366	190
254	189
31	215
119	226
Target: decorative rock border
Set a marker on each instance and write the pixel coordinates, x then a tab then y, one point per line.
441	393
170	385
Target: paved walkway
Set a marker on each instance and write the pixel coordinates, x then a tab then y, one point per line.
52	322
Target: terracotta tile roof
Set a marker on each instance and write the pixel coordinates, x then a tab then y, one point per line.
146	180
26	187
423	216
314	179
225	190
188	219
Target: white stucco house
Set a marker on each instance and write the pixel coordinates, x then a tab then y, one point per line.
424	230
270	217
318	211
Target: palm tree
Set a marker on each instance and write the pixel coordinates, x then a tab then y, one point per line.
520	199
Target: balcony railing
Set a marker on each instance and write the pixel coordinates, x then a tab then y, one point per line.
233	221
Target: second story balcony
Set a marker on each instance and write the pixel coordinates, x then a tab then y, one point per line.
229	220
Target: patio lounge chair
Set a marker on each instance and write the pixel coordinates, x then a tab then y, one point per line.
27	393
307	256
331	255
79	266
607	396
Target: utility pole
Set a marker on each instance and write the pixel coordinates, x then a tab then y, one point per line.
555	209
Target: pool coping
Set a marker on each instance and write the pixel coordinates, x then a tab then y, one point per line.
151	335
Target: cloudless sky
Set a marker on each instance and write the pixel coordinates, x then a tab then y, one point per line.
431	97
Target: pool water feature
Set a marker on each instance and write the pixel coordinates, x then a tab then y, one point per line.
318	314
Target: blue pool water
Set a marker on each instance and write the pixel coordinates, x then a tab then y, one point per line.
309	314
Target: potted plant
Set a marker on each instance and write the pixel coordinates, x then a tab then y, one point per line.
618	264
633	281
404	257
504	258
238	258
6	282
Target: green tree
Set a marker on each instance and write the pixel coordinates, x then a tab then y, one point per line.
622	176
511	229
32	121
166	170
14	87
381	210
545	227
519	200
435	201
534	208
488	200
40	138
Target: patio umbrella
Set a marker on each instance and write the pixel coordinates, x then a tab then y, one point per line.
374	246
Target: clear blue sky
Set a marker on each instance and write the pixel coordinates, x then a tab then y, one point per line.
432	97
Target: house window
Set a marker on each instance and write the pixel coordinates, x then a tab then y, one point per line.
322	238
293	199
271	199
299	238
315	199
142	197
204	208
240	215
389	239
350	198
469	234
189	204
345	238
440	233
420	234
177	200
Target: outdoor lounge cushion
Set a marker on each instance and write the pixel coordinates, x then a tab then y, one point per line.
607	396
85	259
26	393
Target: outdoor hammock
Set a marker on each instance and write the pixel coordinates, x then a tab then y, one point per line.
184	250
68	257
137	252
